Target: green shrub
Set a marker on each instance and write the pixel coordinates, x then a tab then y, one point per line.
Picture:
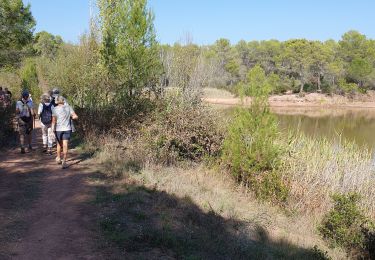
29	77
250	148
346	226
252	154
7	132
348	88
114	119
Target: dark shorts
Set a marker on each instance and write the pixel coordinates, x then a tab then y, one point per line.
25	128
63	135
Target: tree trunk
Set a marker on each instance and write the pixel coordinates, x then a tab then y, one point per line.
301	87
319	84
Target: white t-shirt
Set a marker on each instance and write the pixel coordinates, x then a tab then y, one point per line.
22	107
63	120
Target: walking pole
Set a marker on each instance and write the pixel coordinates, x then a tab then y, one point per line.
34	126
16	127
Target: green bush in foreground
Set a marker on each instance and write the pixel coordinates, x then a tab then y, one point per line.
6	127
346	226
250	149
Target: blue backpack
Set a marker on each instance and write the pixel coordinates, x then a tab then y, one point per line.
46	115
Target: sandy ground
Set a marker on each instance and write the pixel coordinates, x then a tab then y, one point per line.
58	224
308	100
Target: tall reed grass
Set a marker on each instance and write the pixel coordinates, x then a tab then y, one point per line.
318	168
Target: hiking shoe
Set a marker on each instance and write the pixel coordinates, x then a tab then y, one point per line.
22	150
44	149
58	160
63	164
49	151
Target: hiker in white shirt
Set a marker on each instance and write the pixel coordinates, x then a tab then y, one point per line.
61	125
25	117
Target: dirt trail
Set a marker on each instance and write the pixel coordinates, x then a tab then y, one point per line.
58	223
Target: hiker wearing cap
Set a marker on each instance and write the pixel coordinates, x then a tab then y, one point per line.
25	117
61	125
45	116
55	92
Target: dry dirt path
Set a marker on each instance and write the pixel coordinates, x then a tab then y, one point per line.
45	211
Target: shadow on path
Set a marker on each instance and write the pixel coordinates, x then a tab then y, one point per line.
44	210
144	223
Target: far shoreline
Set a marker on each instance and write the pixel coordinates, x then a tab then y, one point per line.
237	102
307	101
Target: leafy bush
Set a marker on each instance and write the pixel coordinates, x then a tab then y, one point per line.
179	132
252	154
346	226
29	76
348	88
6	126
115	119
250	149
250	143
9	78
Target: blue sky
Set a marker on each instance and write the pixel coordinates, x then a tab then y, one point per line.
208	20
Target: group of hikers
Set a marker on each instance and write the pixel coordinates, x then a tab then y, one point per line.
5	97
55	116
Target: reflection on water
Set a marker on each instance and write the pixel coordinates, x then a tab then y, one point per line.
354	125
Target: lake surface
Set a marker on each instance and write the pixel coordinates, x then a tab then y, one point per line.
356	125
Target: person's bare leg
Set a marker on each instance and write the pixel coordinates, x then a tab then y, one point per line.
65	149
22	140
29	139
22	143
65	153
58	152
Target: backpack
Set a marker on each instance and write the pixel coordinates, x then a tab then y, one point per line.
53	102
46	115
25	113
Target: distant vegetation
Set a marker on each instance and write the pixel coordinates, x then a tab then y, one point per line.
110	50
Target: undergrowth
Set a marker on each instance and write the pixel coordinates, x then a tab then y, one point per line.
183	133
7	131
346	226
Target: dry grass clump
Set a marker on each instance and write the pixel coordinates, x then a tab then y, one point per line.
318	168
179	132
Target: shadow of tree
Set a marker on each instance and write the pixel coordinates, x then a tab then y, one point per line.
150	224
17	193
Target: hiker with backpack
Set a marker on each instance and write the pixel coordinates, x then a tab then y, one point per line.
45	116
61	125
25	117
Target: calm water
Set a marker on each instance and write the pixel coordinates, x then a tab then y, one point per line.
356	125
